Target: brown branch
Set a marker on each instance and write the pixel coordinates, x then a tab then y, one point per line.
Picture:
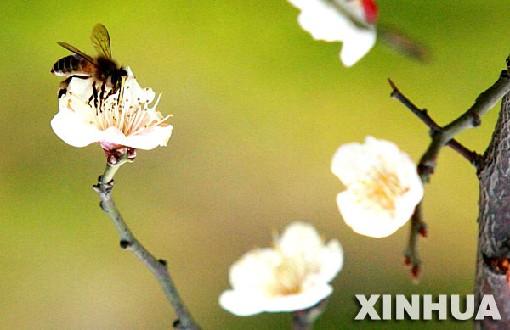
493	260
442	136
128	241
469	119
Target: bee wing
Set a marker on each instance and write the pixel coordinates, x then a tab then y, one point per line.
101	40
76	51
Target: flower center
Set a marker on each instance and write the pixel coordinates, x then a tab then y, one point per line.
129	109
289	278
383	187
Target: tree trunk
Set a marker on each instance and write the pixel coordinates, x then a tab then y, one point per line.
493	264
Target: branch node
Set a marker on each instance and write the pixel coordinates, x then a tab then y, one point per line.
163	262
422	230
434	131
103	187
415	272
124	244
425	170
476	121
434	128
407	260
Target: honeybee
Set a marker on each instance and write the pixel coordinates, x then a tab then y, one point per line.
103	69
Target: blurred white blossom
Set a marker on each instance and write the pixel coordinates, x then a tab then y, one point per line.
347	21
293	275
382	186
126	118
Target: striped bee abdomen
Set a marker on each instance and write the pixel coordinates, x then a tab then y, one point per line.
70	65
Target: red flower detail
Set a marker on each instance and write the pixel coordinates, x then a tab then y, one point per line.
415	272
371	10
423	232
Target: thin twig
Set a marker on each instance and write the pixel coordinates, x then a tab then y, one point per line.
418	227
128	241
471	156
304	319
471	118
300	322
402	43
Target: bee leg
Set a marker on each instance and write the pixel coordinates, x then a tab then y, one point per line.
110	93
101	94
91	98
112	90
94	97
117	86
63	87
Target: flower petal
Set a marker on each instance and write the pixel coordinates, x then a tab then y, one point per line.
331	260
369	220
357	45
351	162
322	21
312	294
254	269
150	138
330	23
240	304
75	127
301	239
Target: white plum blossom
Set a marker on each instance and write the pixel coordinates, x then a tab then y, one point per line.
348	21
293	275
382	186
126	118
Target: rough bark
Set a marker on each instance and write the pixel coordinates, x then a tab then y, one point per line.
493	264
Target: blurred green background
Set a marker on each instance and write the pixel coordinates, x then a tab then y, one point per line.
259	108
